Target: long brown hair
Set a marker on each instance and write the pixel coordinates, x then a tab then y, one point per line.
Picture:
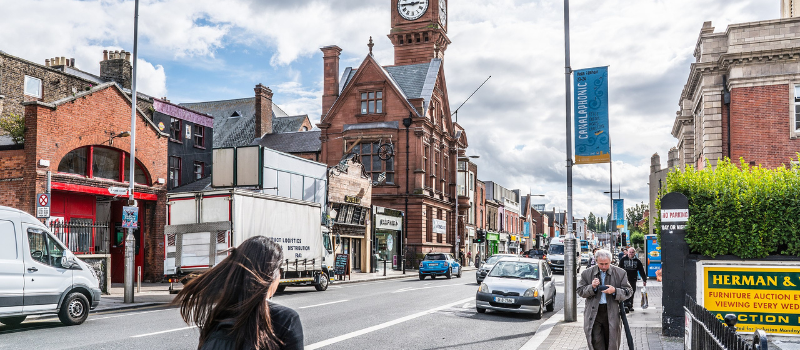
236	289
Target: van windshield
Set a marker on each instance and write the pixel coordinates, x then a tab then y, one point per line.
556	249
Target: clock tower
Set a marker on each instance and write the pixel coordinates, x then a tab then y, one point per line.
419	30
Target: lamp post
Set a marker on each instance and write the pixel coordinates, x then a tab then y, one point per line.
610	193
130	241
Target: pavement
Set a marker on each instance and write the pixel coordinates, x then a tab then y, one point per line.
555	334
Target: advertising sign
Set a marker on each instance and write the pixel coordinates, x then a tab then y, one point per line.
618	205
591	116
388	222
439	226
526	230
653	255
130	217
762	297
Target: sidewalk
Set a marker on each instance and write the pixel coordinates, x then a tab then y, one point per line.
645	328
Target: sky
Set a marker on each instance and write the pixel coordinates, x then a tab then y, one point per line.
203	50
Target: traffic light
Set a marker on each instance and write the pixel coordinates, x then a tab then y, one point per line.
624	240
481	237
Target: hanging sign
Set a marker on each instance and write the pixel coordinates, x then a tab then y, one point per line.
130	217
388	222
619	209
439	226
591	116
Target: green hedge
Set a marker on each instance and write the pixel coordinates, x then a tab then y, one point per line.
746	211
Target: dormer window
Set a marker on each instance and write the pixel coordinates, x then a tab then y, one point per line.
372	102
236	114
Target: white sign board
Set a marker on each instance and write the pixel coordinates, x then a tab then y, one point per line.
388	222
43	205
674	215
118	191
439	226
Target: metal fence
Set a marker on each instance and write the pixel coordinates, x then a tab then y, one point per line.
82	237
705	331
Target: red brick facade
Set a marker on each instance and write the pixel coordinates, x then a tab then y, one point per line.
760	126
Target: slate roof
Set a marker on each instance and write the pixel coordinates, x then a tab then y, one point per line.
414	80
196	186
288	124
234	120
292	142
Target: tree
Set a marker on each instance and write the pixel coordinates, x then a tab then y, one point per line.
592	222
633	215
637	239
601	226
14	126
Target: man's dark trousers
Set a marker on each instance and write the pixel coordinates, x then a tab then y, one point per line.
600	328
629	301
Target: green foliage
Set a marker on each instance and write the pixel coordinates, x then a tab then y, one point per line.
746	211
633	215
591	222
637	239
14	126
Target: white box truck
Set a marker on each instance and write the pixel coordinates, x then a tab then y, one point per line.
201	226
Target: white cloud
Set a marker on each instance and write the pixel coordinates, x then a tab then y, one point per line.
151	79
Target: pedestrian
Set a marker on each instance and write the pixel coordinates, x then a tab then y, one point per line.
477	260
230	304
469	257
592	261
632	266
461	257
621	254
603	286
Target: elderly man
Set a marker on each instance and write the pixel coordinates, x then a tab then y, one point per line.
603	286
632	266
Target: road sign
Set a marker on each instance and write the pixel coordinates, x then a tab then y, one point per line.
43	205
118	191
130	217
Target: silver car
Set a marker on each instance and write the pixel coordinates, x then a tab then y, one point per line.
487	265
520	285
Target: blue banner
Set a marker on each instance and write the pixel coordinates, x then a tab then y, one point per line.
618	206
591	116
526	233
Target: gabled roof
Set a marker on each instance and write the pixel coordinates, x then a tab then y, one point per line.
414	80
288	124
292	142
234	120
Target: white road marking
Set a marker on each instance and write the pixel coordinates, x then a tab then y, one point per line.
467	305
123	315
344	337
162	332
420	288
542	332
332	302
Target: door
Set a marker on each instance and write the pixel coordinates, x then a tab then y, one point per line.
356	248
12	269
45	278
118	235
549	286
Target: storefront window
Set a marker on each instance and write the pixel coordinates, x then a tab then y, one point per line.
74	162
105	163
138	173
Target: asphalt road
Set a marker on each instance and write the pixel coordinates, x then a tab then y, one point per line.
393	314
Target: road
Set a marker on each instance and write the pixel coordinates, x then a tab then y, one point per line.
393	314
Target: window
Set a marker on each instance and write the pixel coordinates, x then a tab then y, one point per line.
371	102
8	250
372	162
796	108
33	87
175	171
199	169
44	248
350	214
105	163
175	129
199	135
425	165
74	162
305	128
138	173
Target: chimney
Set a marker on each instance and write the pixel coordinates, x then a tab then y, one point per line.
115	67
263	111
330	89
673	161
47	62
655	163
707	28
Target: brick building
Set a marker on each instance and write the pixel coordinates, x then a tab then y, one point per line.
508	211
468	196
190	142
78	141
366	109
741	98
541	226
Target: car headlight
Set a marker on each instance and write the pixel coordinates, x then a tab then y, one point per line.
484	288
531	292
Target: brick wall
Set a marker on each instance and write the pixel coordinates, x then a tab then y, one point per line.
12	182
760	125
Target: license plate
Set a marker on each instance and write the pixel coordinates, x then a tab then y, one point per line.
433	265
504	300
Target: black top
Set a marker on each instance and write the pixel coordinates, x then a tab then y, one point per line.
285	323
632	266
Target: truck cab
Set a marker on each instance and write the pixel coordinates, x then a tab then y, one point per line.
38	275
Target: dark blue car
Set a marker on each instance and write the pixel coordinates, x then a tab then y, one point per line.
439	264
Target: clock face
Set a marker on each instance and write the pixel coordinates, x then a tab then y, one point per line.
443	11
412	9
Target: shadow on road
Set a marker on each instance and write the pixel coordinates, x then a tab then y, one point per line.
485	341
31	326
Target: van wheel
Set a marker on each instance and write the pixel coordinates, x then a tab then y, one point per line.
74	310
281	289
12	321
323	282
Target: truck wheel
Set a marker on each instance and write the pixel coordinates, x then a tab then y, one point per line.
323	282
74	310
12	321
281	289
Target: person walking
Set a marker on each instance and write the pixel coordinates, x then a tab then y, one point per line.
604	286
632	266
592	261
230	304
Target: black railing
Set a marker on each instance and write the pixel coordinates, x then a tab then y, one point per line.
82	237
708	332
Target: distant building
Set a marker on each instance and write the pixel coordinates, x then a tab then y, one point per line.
190	146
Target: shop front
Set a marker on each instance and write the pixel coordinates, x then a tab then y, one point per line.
513	244
349	203
503	244
492	243
387	244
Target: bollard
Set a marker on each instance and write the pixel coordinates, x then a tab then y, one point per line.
384	267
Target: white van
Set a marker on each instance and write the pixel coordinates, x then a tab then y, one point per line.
39	276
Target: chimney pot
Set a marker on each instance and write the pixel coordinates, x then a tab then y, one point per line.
105	55
72	62
63	61
47	62
128	56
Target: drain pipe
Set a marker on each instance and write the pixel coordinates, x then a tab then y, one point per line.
726	99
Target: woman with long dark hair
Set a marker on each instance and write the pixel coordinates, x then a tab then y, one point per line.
229	303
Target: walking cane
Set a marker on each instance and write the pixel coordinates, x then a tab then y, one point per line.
628	334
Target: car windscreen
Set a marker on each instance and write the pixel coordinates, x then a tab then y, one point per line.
515	269
494	259
556	249
435	257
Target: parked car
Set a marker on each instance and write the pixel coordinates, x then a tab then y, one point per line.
439	264
519	285
38	275
487	265
586	258
536	254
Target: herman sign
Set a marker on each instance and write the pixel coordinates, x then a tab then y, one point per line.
674	215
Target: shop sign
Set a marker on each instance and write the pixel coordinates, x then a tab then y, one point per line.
513	238
352	200
492	236
762	297
388	222
439	226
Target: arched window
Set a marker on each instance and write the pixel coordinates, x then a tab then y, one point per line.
106	163
305	128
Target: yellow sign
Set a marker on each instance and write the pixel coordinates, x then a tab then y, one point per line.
765	298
